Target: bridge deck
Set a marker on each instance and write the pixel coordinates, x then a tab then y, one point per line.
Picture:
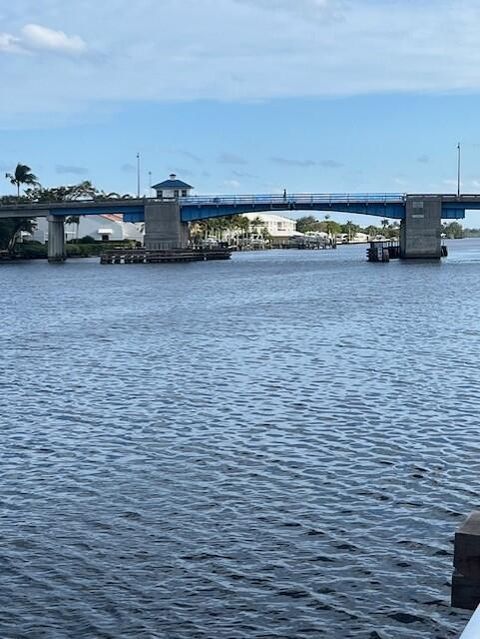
389	205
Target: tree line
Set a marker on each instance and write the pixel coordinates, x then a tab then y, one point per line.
310	224
23	178
388	229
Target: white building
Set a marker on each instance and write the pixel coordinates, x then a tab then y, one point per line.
276	225
104	228
360	238
172	188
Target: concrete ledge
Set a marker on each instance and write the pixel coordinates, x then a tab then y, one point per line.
466	561
466	558
465	592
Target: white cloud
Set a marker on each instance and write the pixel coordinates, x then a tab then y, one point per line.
236	50
34	36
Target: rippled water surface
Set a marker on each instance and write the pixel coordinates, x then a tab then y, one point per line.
280	446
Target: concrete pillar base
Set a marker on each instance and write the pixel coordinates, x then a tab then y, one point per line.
466	561
164	229
56	239
420	231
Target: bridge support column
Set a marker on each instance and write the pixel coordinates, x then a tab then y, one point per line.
420	231
164	228
56	239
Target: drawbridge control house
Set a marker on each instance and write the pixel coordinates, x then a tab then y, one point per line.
172	188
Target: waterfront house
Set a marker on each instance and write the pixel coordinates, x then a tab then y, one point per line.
172	188
104	228
277	226
360	238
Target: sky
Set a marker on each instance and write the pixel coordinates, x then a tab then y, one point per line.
243	96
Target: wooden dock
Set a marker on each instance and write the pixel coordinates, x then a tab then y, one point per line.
386	250
143	256
383	251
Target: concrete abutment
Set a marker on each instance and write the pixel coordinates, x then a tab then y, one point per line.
164	228
420	231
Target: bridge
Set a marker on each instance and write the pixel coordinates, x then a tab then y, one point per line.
166	221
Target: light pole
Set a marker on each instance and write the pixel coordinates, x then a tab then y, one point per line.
459	152
138	175
149	184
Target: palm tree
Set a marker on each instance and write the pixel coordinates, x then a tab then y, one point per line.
23	175
330	227
74	219
11	232
83	191
256	225
351	229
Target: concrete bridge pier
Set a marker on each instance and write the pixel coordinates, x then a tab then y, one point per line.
56	239
164	228
420	231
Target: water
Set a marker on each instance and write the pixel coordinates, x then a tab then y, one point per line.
280	446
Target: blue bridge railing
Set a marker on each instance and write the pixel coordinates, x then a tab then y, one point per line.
297	198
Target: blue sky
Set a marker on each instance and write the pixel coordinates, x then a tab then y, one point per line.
242	96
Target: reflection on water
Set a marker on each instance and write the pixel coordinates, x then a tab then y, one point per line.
278	446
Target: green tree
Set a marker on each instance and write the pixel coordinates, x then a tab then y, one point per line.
307	224
101	195
82	191
454	231
257	225
371	231
393	230
350	229
10	231
331	227
22	175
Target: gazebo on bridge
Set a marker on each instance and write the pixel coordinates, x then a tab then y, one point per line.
172	188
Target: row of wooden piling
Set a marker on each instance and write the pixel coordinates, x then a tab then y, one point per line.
142	256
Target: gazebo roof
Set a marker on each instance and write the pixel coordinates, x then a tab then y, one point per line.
172	183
